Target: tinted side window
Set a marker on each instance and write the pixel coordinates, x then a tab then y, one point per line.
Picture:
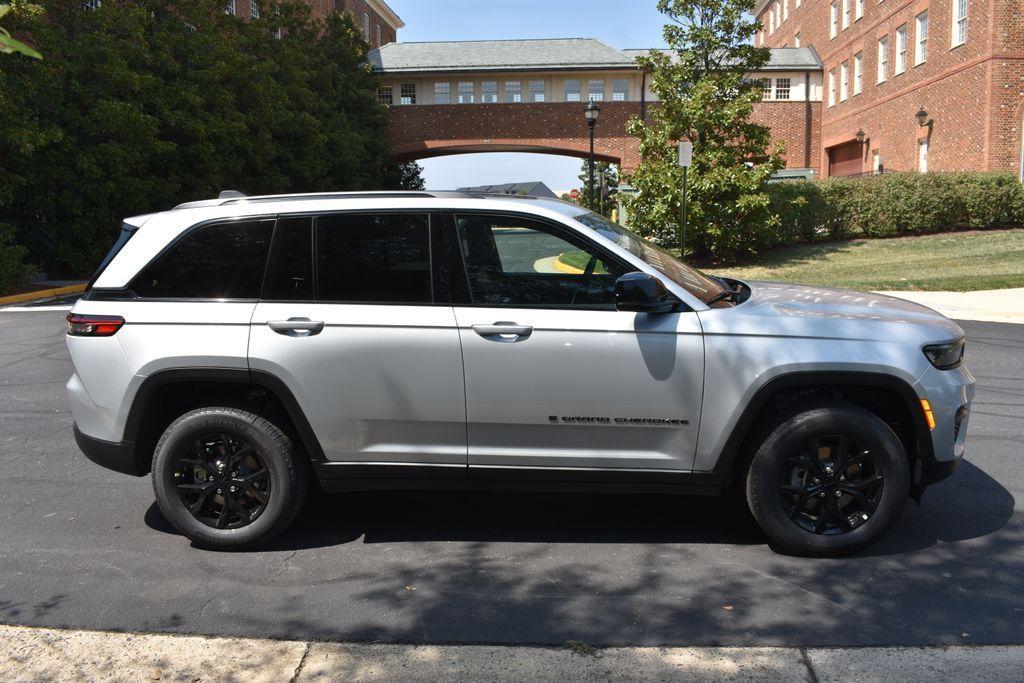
374	258
291	269
519	262
219	261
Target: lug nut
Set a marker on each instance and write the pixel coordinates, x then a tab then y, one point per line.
839	494
821	495
220	492
233	489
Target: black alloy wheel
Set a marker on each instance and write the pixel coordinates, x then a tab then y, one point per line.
831	486
223	481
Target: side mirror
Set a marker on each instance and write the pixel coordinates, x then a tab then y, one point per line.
643	293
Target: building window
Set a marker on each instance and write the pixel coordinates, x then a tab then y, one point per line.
846	14
883	59
380	36
798	2
832	88
466	94
407	93
844	82
901	50
254	9
959	34
620	89
595	90
771	20
922	155
572	91
858	72
536	91
766	88
229	7
91	4
513	91
858	12
442	93
833	20
385	94
366	26
796	40
785	9
920	38
489	92
782	88
778	14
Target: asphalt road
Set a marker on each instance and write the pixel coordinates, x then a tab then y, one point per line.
83	547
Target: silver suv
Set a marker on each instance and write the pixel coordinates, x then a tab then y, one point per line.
244	348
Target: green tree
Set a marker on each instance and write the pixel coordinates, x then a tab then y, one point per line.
139	106
611	184
705	97
9	45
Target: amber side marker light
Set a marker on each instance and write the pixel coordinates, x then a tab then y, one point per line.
928	416
93	325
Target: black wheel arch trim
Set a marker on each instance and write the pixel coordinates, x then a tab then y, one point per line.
926	469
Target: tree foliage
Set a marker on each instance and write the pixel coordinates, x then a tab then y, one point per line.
611	184
705	97
141	105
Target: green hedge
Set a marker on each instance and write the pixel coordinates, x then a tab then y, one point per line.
13	269
893	204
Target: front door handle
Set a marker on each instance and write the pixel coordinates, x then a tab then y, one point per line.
504	331
297	327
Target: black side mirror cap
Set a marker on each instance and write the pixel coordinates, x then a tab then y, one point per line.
643	293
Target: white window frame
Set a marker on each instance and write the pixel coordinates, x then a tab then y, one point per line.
796	39
514	91
783	85
785	9
846	14
922	155
254	9
832	88
844	81
921	38
594	89
883	59
442	93
798	3
858	12
489	92
833	20
901	51
407	94
766	88
380	36
390	90
538	94
620	89
573	95
858	73
366	26
771	20
229	7
958	30
467	95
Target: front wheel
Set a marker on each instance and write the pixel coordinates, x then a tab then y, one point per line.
828	480
227	478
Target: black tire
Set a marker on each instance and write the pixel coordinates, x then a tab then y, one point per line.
190	469
785	483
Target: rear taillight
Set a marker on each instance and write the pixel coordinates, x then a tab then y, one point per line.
93	325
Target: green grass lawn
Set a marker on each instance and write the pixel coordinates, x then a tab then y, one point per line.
962	262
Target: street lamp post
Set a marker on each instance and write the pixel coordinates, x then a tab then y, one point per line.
591	113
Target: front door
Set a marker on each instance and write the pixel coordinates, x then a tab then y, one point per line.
353	331
555	376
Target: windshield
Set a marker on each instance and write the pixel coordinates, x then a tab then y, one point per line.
694	281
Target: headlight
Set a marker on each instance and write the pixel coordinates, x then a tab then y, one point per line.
946	356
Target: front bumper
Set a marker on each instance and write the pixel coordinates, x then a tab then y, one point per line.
950	393
117	456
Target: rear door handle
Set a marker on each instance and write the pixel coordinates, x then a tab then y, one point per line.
504	332
297	327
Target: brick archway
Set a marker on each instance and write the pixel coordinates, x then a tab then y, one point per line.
424	131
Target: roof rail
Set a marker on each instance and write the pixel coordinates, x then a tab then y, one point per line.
226	199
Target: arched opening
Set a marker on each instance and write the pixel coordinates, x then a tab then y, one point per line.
437	148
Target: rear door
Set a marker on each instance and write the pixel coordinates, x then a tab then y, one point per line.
556	378
349	322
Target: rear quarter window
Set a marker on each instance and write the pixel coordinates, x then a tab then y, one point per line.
215	261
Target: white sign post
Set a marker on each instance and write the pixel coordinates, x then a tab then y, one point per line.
685	160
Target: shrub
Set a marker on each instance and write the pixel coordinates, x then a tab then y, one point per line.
13	269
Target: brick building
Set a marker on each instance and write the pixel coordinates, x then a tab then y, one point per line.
957	63
378	22
529	95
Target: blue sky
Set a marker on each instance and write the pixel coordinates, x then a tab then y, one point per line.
621	24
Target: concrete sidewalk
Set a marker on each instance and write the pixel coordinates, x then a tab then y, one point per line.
994	305
32	654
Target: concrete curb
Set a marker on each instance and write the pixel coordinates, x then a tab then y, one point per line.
32	654
41	294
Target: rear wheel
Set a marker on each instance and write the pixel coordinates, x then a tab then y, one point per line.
828	480
227	478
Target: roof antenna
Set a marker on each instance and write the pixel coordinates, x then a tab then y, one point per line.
230	194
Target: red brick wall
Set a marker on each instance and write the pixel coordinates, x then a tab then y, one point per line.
972	92
797	127
357	8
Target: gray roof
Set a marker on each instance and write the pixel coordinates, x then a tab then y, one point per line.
533	189
781	59
499	55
